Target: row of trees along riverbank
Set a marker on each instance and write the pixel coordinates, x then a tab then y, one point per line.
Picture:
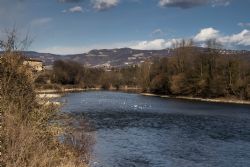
191	71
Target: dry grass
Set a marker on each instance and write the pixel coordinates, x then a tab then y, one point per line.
28	136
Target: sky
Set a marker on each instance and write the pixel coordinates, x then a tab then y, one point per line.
77	26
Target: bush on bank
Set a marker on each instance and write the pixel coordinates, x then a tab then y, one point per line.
28	136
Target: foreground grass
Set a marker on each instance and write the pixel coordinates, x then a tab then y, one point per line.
29	134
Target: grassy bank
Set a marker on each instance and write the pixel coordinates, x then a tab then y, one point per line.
31	130
64	90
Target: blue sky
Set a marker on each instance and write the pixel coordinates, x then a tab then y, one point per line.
77	26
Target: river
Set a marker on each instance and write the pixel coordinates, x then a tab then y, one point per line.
132	130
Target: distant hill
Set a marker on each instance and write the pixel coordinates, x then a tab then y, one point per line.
117	57
104	57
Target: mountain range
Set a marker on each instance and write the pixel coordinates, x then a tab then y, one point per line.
117	57
103	57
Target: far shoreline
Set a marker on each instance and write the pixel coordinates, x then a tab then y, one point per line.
215	100
58	93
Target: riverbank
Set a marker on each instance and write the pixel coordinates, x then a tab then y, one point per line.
46	99
57	93
216	100
64	90
44	96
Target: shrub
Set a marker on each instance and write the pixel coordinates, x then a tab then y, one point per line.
28	135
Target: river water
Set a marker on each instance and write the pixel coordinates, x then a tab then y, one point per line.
132	130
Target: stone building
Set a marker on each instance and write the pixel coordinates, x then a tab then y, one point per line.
35	64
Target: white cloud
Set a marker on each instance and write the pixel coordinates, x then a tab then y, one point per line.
241	24
230	42
242	38
220	2
104	4
41	21
68	1
184	4
206	34
157	32
239	39
156	44
75	9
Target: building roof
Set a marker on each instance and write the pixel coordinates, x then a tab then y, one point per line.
32	59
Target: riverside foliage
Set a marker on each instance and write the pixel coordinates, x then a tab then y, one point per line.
190	71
